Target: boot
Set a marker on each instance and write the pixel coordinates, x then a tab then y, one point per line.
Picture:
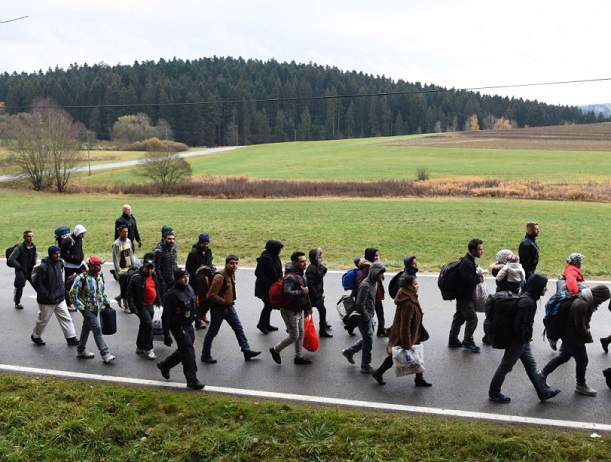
323	332
387	364
420	382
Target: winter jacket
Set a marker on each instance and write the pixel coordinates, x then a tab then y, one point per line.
407	324
467	277
294	281
135	291
166	261
512	271
315	274
132	227
23	259
572	275
195	259
178	308
88	292
268	270
222	291
72	251
366	291
529	254
526	309
49	283
578	329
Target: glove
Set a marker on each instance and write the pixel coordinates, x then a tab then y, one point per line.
167	341
139	244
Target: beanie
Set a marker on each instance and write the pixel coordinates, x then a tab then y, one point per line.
204	238
166	230
180	272
53	249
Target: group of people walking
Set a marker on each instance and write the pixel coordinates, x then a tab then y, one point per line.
200	296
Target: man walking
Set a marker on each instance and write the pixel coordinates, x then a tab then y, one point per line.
465	308
268	271
529	249
222	296
51	298
520	346
89	296
142	295
122	260
177	318
199	257
365	305
128	220
316	273
166	261
23	259
73	255
296	291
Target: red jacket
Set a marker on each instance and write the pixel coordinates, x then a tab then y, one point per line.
573	275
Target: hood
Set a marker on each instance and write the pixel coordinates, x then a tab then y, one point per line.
274	246
315	255
535	285
79	229
407	265
370	253
376	268
600	294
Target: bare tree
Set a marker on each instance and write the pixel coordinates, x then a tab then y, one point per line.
165	169
46	147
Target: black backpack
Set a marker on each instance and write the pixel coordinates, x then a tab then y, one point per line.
8	253
393	286
501	309
557	313
448	280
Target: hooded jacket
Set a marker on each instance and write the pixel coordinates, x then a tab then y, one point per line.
366	291
407	325
72	248
195	259
49	284
582	308
572	275
315	275
294	280
269	269
526	309
370	255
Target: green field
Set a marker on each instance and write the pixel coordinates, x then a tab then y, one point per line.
436	230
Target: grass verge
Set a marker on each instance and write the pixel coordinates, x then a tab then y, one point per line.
56	419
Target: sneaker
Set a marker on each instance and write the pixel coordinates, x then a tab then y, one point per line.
472	347
108	358
249	354
349	356
208	359
543	379
84	354
275	355
72	341
37	340
195	385
165	372
139	351
18	306
500	398
585	390
454	343
549	394
150	354
302	360
603	341
119	301
367	369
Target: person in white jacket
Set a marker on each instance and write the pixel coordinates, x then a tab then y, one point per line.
514	273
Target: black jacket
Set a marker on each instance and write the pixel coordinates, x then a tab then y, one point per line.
132	227
268	270
529	254
165	263
315	275
526	309
294	280
467	277
178	308
23	259
72	250
195	259
135	291
49	283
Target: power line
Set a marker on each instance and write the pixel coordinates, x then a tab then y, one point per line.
16	19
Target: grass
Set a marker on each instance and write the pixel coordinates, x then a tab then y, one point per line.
436	230
55	419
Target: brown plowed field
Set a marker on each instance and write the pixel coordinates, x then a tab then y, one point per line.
590	137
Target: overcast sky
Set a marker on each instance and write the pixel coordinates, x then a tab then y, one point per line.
452	43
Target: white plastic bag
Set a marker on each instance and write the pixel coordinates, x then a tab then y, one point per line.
157	327
480	295
408	362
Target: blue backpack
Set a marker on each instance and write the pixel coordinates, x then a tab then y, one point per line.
350	279
557	312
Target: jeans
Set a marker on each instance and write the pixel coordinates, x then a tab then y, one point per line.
510	357
294	325
465	313
217	316
185	353
365	343
570	350
144	341
91	324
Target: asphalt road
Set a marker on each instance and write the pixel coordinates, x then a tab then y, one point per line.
460	378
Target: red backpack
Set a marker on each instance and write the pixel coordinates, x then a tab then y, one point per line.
276	293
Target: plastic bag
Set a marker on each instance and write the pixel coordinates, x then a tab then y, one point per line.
157	327
480	295
408	362
310	336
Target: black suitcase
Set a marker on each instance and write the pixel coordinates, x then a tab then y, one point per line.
108	321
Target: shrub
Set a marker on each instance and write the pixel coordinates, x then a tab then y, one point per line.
422	174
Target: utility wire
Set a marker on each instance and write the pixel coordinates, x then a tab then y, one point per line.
16	19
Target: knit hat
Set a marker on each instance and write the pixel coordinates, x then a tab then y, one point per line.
165	230
204	238
502	255
575	259
79	229
180	272
53	249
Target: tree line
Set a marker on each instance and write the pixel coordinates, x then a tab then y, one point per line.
228	101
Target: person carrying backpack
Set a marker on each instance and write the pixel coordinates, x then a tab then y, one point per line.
410	268
519	348
315	274
23	258
267	271
200	256
575	336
